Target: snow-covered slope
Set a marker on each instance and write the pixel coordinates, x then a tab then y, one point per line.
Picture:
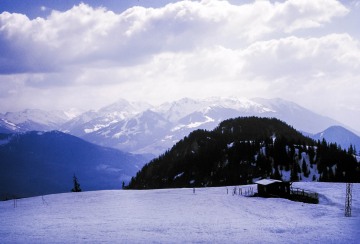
92	121
35	119
130	134
180	216
7	126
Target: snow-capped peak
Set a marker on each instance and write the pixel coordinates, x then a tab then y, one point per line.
38	116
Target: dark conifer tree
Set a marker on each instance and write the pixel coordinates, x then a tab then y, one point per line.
305	169
123	185
76	185
276	174
294	172
325	174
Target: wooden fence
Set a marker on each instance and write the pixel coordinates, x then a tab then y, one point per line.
302	195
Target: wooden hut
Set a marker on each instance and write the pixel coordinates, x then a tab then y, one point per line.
273	188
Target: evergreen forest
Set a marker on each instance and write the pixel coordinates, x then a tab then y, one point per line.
242	150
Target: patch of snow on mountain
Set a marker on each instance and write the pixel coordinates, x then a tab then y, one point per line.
193	124
37	116
230	145
8	126
179	109
99	126
73	113
10	123
240	104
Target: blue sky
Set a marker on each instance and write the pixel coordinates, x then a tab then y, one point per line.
42	8
86	54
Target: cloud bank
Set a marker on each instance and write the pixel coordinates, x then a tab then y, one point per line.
88	56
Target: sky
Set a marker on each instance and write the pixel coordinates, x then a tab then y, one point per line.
65	54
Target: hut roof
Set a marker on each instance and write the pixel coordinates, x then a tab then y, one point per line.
266	182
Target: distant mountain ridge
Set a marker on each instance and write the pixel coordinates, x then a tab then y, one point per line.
37	163
339	135
34	119
92	121
141	128
177	119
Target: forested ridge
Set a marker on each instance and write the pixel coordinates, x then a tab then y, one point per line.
241	150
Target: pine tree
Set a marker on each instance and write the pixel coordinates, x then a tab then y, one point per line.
277	175
305	169
314	178
76	185
294	172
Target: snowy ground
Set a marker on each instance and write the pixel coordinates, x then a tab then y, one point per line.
180	216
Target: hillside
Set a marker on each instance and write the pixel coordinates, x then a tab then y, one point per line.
339	135
37	163
243	149
179	216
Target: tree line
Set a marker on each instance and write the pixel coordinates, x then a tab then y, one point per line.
243	149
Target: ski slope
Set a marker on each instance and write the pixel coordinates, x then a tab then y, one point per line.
209	215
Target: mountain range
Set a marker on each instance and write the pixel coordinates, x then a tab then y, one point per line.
145	129
108	146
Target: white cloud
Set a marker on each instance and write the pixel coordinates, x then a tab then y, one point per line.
334	54
84	35
303	14
91	56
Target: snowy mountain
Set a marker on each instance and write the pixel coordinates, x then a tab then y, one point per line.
141	128
35	119
339	135
299	117
92	121
179	118
177	110
180	216
136	132
7	127
36	163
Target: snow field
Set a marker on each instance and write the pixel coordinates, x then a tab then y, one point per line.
180	216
